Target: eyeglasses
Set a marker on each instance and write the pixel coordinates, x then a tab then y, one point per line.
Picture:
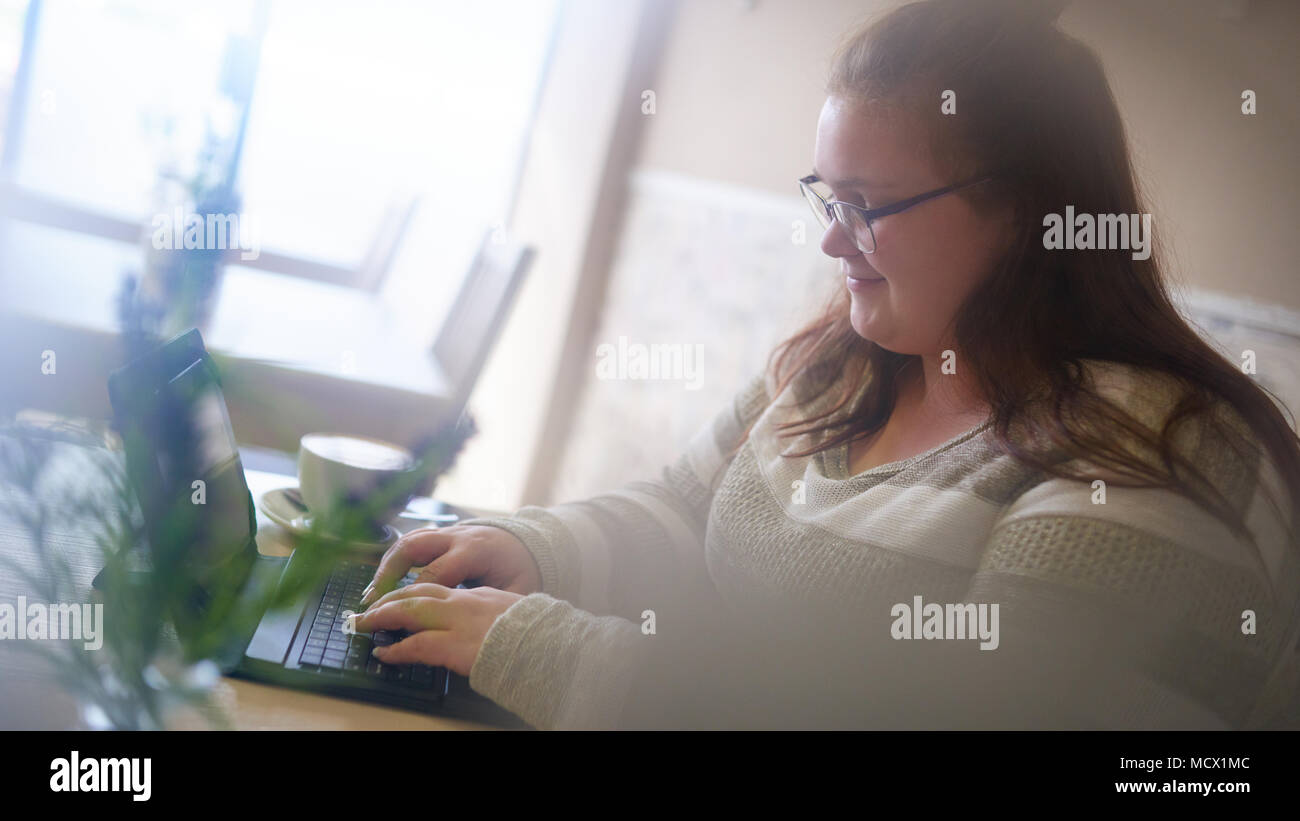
857	219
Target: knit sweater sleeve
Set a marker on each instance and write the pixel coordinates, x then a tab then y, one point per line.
1110	607
624	550
559	658
1139	613
1137	608
1151	611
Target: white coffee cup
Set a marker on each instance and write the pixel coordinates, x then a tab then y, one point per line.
339	469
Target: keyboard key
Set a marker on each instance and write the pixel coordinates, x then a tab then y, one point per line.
328	651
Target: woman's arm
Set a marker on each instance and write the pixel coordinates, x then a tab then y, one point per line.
565	657
640	546
1143	612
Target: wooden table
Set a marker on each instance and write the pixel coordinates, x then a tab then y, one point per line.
31	697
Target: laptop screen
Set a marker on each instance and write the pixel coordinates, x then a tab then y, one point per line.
182	457
216	490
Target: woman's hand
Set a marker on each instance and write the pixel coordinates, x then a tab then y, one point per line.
447	625
453	554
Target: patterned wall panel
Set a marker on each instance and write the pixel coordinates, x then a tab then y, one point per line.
698	264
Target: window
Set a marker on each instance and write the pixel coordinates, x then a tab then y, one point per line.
371	143
116	90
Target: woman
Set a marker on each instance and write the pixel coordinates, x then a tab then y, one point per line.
976	419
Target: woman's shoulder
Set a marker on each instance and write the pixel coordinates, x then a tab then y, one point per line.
1149	393
1216	436
1153	393
1226	455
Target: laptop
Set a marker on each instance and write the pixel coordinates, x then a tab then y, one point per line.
302	646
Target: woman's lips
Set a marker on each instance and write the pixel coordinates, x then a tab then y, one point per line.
859	283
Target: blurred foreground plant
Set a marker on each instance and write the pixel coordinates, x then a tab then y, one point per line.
173	602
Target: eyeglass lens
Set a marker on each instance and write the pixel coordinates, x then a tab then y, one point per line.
848	217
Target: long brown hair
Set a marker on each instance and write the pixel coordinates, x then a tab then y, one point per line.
1034	109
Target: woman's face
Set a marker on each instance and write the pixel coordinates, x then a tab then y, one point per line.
927	258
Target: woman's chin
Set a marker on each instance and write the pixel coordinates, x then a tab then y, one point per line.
869	327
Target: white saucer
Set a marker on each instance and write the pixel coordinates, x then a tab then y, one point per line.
279	509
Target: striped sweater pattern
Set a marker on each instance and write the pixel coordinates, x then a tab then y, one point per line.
1138	611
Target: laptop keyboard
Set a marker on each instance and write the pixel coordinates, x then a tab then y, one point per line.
331	651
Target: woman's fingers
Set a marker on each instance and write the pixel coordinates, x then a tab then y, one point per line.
432	647
412	614
449	569
425	589
418	547
446	626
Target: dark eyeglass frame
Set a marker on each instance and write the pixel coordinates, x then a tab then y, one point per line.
871	214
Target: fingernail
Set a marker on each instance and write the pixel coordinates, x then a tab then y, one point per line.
349	623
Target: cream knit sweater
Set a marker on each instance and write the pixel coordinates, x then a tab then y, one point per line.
767	591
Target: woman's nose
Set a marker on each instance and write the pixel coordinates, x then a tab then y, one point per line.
837	243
